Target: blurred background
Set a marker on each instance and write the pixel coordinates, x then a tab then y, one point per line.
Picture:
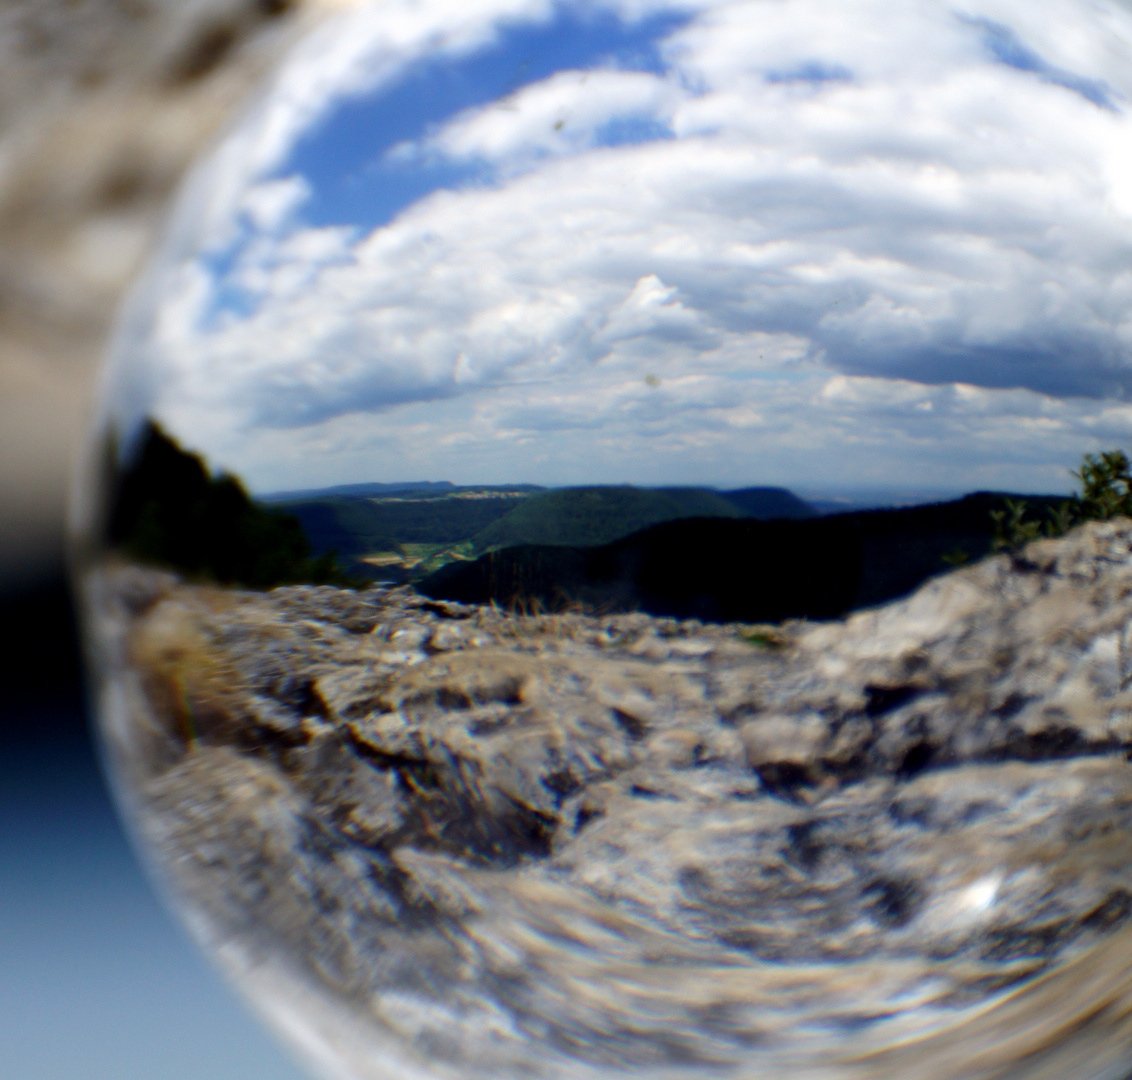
96	979
103	106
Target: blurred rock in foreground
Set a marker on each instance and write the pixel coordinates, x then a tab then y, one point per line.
104	104
567	844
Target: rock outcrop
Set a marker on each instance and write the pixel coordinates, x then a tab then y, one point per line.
563	844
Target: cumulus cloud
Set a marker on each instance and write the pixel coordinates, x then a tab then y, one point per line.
565	114
816	218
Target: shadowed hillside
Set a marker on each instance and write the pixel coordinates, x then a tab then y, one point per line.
715	569
719	569
424	524
769	504
168	510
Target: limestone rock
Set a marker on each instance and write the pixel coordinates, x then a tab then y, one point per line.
877	822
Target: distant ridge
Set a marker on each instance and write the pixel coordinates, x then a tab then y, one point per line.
769	504
588	516
399	531
369	490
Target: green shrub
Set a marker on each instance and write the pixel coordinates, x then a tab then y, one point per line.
1106	487
1012	531
1106	493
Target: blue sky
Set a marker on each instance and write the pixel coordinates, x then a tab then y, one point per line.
344	157
719	241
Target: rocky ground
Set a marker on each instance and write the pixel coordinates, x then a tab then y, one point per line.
565	844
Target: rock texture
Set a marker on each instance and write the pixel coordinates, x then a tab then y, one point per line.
559	844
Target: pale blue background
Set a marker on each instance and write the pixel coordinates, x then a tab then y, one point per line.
97	982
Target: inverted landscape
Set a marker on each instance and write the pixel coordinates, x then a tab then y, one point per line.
573	749
492	808
753	554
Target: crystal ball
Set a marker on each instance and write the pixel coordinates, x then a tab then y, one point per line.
605	549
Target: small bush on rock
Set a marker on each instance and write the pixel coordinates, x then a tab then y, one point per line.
1106	493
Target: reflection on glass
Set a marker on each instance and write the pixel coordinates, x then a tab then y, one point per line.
488	463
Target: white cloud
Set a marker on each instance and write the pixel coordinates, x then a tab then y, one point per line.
652	309
565	114
272	205
868	233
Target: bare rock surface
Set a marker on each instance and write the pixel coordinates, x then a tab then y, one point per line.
534	841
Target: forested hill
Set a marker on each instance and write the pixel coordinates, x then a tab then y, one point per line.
668	551
769	504
368	520
362	525
166	508
721	569
587	516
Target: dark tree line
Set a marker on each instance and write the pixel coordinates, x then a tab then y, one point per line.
167	509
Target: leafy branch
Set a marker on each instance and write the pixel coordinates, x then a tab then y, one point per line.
1106	486
1011	530
1106	493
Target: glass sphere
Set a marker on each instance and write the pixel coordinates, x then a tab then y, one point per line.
578	551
